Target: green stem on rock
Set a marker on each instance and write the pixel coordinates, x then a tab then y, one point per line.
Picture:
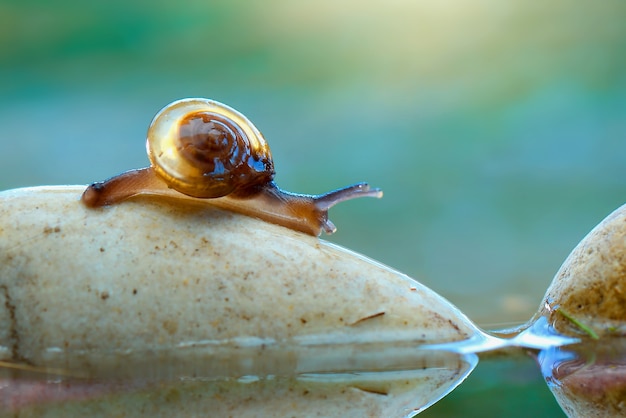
585	328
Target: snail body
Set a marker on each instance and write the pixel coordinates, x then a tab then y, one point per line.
201	148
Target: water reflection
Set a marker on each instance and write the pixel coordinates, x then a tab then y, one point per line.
396	379
588	379
383	382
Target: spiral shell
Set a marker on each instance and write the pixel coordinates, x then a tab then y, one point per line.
205	149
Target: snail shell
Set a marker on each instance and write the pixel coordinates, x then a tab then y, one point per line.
205	149
200	148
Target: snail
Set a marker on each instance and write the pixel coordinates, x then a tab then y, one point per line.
200	148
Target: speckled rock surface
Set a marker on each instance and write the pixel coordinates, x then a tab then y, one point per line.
157	290
591	284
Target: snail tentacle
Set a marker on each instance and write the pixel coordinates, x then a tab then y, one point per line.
328	200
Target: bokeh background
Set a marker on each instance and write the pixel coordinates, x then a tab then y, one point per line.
497	129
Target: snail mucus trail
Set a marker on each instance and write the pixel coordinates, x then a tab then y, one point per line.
200	148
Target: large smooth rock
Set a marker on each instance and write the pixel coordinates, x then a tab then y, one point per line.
112	301
587	298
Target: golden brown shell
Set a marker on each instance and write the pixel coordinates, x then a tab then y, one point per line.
203	148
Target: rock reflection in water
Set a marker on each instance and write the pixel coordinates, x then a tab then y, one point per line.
364	392
588	380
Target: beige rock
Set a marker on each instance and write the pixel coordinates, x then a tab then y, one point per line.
587	300
156	289
588	294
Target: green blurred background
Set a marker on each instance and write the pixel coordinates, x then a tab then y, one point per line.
496	129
